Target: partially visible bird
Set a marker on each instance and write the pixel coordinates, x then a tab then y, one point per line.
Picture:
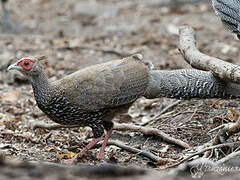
94	95
229	12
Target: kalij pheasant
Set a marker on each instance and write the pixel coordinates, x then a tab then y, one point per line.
94	95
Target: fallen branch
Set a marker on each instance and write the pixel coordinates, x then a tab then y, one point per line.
158	116
150	131
43	125
224	134
202	151
121	127
228	157
187	45
223	70
217	128
144	153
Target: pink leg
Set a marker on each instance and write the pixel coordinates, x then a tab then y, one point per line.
89	146
101	153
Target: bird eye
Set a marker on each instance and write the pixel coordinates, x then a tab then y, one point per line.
26	63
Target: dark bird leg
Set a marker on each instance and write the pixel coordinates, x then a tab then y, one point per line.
90	145
108	125
84	150
102	150
98	132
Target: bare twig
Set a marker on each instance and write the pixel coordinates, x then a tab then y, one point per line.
144	153
48	136
158	116
223	134
122	127
202	151
151	131
216	128
187	46
226	132
228	157
42	125
193	114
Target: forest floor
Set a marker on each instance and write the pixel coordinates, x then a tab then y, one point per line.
75	34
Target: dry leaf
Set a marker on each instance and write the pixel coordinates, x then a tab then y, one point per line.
127	159
67	155
162	162
234	114
217	104
11	97
196	117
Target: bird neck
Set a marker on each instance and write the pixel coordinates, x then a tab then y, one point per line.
41	87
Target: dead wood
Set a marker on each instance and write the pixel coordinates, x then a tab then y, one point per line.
143	153
122	127
201	152
187	45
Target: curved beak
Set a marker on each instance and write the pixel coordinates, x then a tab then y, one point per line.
14	67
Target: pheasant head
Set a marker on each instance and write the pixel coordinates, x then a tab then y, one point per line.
29	66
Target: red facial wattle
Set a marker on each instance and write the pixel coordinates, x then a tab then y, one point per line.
26	64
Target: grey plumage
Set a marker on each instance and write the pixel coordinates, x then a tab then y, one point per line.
229	12
91	96
189	83
108	85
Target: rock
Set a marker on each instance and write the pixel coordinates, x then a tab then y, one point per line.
172	29
93	9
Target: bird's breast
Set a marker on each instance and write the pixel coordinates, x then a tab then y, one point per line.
60	110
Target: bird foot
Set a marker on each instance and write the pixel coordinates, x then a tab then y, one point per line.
101	156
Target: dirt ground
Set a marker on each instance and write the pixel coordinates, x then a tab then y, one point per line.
75	34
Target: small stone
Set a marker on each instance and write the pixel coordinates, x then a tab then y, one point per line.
138	56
